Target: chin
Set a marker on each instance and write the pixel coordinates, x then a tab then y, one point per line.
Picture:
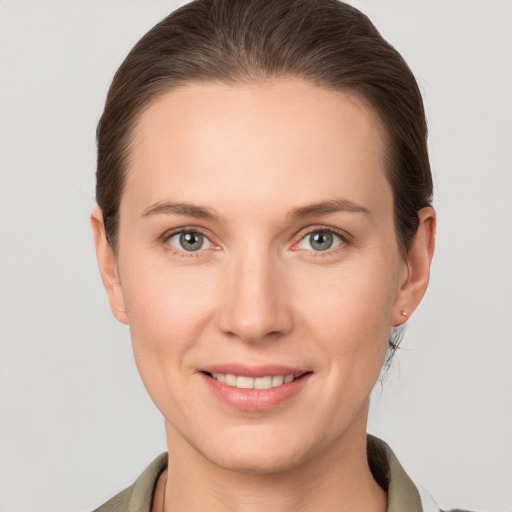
263	463
258	453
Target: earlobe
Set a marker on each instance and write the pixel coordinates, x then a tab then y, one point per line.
419	260
108	267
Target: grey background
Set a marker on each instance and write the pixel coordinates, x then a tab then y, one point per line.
76	424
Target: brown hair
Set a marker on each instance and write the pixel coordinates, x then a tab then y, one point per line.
326	42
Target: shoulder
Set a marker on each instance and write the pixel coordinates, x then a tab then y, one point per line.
117	503
403	494
138	497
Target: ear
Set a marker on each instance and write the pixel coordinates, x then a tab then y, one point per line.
108	267
419	258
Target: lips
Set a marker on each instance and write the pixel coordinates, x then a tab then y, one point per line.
255	388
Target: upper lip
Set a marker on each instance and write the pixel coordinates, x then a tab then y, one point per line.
253	371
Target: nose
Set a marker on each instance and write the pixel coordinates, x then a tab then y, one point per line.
256	304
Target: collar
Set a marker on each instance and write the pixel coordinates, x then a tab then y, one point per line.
403	496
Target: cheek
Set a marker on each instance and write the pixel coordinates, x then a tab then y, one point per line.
167	306
168	311
349	297
348	314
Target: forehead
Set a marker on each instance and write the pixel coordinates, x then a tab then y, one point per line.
288	136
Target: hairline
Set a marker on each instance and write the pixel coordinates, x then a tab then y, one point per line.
257	79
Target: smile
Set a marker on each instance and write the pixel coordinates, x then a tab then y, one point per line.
244	382
255	389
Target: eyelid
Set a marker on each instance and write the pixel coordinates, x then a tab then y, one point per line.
164	240
346	238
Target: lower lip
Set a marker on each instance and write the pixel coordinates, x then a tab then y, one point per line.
255	400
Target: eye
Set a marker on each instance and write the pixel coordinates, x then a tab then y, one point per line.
320	240
190	241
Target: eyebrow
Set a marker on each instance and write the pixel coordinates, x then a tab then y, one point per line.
301	212
326	207
172	208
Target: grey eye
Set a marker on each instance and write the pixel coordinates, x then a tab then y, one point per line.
189	241
320	240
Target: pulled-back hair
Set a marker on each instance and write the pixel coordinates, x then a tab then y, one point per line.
325	42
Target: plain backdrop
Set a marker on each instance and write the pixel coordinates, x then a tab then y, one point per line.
76	423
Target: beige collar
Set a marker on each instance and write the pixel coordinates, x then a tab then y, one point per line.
403	496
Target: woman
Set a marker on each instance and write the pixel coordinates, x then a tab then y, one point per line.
264	224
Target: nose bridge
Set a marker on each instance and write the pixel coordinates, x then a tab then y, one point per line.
255	305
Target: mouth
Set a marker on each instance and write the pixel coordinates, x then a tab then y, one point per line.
255	389
263	382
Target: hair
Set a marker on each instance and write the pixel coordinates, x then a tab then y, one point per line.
326	42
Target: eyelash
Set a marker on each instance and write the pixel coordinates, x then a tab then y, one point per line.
344	241
182	253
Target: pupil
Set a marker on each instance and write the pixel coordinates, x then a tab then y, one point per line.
321	240
191	241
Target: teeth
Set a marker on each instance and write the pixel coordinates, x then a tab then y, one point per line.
263	382
243	382
277	380
230	380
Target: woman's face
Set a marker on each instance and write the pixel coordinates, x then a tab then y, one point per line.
257	243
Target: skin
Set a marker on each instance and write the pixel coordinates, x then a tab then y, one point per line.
258	292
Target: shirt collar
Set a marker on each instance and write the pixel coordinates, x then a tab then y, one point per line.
403	496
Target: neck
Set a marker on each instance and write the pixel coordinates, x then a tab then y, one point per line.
338	479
